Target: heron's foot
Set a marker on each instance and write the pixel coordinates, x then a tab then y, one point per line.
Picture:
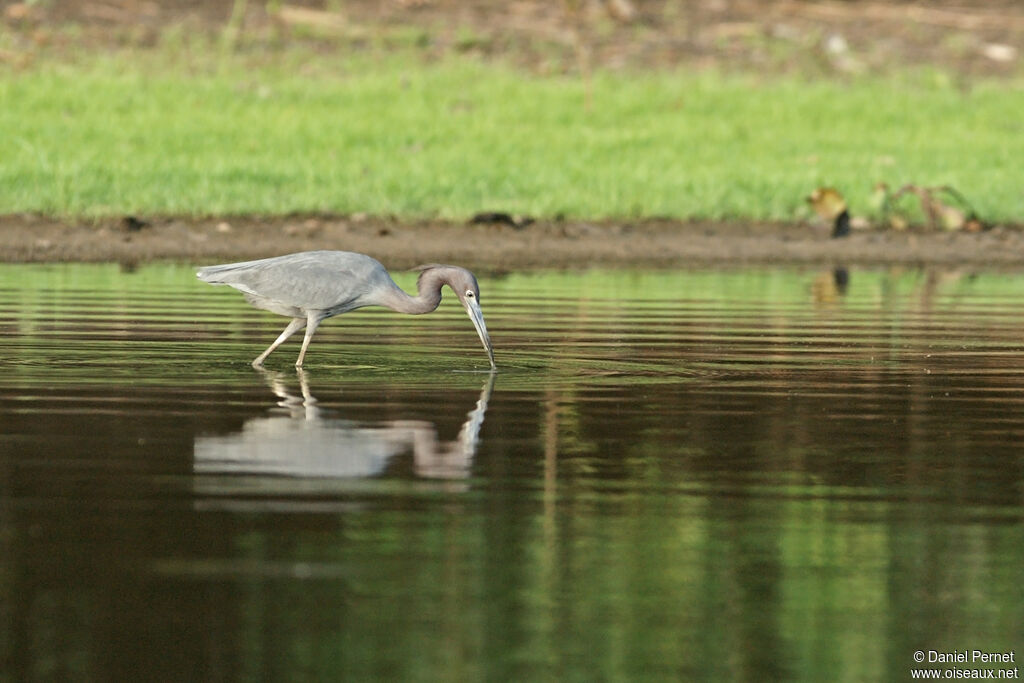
258	363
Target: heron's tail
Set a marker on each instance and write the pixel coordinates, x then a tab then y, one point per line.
211	274
221	275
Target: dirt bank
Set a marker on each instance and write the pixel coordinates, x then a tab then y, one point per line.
802	36
495	246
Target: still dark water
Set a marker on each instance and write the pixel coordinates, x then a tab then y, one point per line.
766	474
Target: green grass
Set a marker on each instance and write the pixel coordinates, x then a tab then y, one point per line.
156	133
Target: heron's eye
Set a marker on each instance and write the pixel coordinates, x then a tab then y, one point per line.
469	293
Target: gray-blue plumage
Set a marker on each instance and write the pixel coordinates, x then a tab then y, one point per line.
335	281
312	286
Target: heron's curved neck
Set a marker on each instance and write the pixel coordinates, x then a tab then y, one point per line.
426	300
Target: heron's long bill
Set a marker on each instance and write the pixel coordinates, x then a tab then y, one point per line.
477	316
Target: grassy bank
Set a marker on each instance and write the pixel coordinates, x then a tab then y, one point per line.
154	133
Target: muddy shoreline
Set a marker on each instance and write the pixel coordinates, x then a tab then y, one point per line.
495	246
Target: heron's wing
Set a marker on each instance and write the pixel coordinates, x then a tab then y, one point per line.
334	281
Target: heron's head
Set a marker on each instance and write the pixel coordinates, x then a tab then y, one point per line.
465	286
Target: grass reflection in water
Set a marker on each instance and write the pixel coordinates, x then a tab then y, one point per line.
708	475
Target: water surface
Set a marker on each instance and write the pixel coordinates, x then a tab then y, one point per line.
761	474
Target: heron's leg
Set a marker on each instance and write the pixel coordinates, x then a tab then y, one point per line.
312	322
294	326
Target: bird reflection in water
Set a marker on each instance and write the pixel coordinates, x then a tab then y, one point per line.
829	287
308	442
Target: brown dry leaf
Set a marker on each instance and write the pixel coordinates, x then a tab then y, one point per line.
621	10
19	11
305	16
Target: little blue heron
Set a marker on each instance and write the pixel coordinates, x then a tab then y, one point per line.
312	286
